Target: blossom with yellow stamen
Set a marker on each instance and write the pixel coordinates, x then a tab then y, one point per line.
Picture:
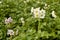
37	13
42	13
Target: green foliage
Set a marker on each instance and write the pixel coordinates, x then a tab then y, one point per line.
33	29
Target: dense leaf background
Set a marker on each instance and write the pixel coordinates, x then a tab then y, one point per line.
33	29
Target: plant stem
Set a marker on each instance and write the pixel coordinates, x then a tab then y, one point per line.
38	24
11	37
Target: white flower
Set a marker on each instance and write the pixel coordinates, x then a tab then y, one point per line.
6	21
36	12
53	14
46	6
42	13
22	20
10	32
9	20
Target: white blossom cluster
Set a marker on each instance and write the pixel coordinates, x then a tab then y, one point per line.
37	13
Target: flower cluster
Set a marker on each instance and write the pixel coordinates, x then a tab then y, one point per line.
10	31
37	13
9	20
